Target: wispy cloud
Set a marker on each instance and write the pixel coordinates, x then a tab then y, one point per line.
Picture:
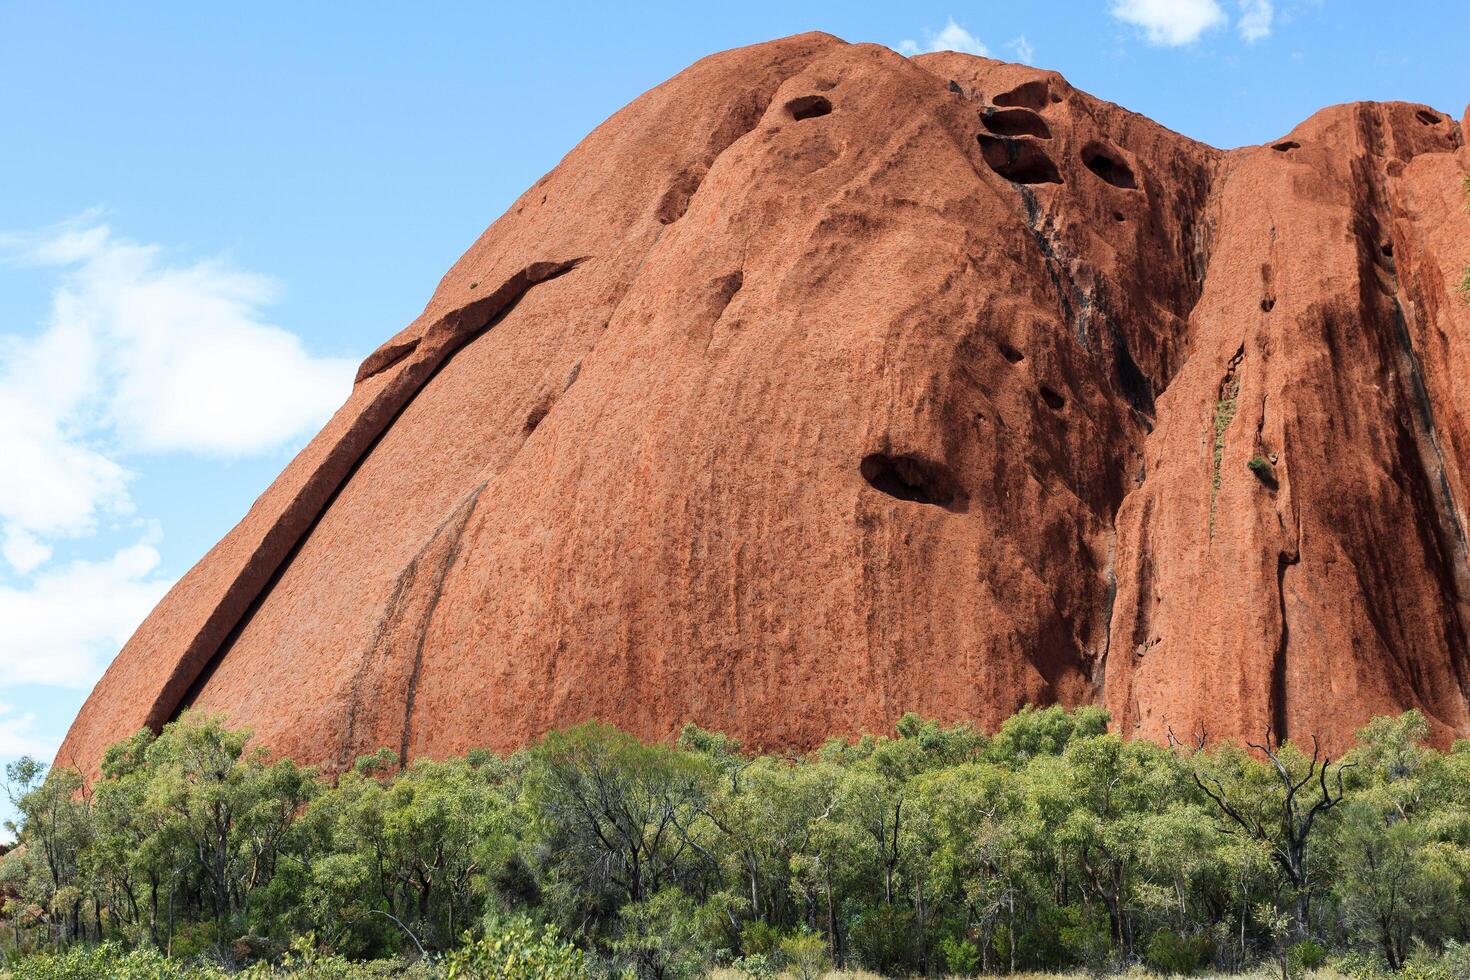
18	736
1024	50
1255	19
1170	23
62	628
952	37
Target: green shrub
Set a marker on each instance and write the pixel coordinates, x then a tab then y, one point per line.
1264	471
109	960
756	966
806	954
1087	940
516	952
759	938
884	940
1171	953
1307	955
960	955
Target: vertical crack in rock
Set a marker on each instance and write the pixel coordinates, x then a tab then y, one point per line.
1449	527
284	540
1053	252
1221	417
1098	667
1279	694
394	657
1373	229
420	632
1080	307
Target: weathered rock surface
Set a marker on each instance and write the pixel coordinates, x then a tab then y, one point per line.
820	384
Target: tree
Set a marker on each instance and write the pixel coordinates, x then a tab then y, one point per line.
1279	807
56	825
618	820
411	854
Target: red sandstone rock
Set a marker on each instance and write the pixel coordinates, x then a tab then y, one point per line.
820	384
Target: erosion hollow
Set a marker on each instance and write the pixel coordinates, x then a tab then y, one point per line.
1016	122
913	479
808	107
1021	161
1108	164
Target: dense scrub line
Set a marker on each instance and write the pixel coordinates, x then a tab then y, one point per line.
1051	845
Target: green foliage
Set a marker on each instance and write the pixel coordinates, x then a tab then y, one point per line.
1224	415
516	951
805	953
1307	955
1053	845
1176	954
960	955
1464	286
108	960
883	939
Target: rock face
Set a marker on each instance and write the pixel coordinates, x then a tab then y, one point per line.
820	384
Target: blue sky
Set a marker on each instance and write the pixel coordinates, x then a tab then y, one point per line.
211	211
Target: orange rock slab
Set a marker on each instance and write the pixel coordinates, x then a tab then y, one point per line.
821	384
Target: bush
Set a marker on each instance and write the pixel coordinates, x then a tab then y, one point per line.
960	955
1307	955
516	952
108	960
1088	940
1172	953
759	938
806	954
884	940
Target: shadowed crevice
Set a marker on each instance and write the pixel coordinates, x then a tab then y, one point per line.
243	598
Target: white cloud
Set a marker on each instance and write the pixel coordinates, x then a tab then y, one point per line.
63	627
953	37
137	355
179	356
1170	22
23	550
18	738
1025	51
1255	19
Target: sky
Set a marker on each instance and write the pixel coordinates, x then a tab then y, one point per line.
209	213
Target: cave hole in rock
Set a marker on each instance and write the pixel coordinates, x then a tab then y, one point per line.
912	479
1016	122
1010	353
808	106
1426	117
1027	95
1267	303
1108	164
1019	160
675	202
1285	146
1053	399
1118	216
1387	249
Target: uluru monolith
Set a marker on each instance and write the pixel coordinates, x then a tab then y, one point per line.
821	384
